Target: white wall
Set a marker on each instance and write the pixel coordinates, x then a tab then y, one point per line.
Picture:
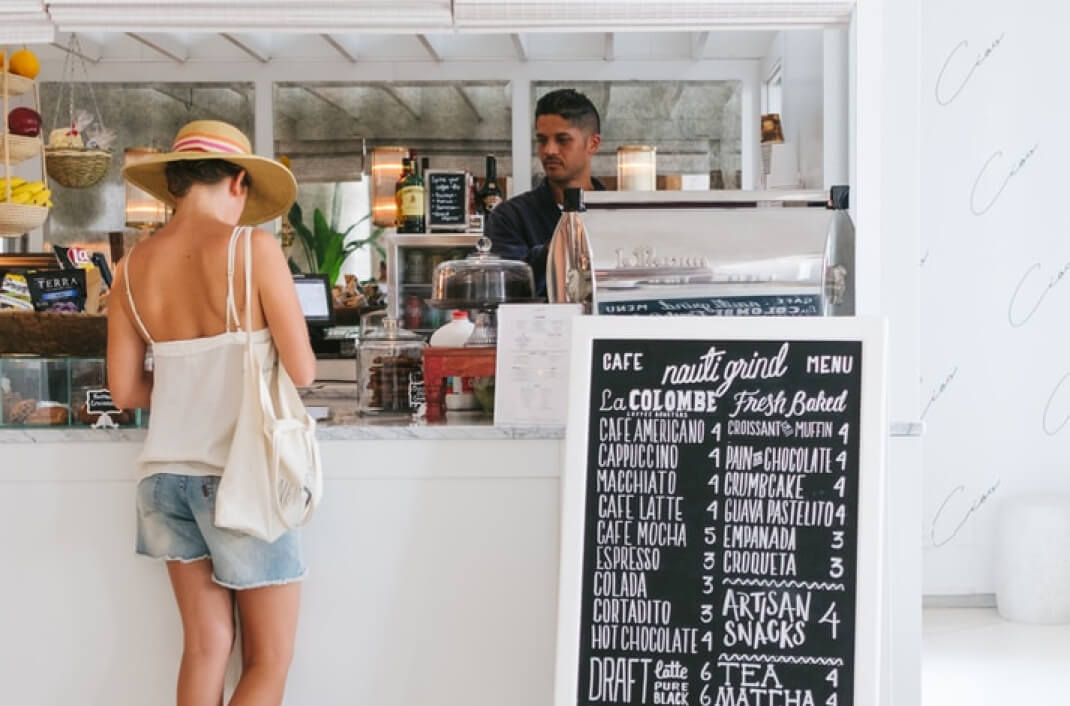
995	344
900	300
801	54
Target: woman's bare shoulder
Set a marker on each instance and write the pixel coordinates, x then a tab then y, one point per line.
266	246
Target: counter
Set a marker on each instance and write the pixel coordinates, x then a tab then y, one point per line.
433	569
343	424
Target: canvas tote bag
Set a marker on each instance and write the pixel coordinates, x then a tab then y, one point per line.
272	480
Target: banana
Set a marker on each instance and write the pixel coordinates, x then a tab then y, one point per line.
31	188
15	182
20	198
41	197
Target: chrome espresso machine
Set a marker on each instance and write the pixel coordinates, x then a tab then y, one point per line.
730	253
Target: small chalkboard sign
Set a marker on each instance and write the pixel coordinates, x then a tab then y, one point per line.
100	402
721	513
447	200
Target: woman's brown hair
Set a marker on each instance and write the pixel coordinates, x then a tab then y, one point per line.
183	174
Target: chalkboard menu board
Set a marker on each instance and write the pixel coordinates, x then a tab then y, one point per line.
447	200
719	523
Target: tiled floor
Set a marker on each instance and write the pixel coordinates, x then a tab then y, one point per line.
972	657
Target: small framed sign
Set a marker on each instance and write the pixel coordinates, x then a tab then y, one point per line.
100	402
447	199
721	536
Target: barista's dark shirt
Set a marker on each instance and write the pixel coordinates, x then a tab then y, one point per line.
521	228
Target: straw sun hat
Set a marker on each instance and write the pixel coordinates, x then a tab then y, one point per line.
273	188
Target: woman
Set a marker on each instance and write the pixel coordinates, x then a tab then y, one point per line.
181	295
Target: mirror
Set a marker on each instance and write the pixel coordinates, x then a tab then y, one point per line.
329	129
142	115
695	127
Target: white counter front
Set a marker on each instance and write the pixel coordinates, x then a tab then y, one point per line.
433	572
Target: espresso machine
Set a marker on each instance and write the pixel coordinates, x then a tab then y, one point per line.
722	253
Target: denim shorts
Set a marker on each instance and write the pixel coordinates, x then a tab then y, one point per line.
176	522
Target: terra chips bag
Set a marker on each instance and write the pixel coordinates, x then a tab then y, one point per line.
57	290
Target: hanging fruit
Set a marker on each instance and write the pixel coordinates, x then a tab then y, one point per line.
24	63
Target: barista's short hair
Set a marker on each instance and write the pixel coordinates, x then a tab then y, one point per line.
182	174
571	105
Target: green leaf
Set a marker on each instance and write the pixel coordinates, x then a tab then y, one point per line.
324	234
327	249
308	241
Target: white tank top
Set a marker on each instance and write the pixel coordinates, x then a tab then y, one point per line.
197	387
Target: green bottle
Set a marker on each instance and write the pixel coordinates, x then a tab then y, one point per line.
410	198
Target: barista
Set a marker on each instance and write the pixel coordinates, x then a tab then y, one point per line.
567	135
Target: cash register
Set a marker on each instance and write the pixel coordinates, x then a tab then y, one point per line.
334	350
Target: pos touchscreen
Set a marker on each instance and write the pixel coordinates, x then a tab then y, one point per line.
314	294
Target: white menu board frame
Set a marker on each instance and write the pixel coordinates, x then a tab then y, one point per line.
869	332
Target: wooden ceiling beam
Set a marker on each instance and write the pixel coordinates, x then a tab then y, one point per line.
248	47
330	101
429	47
89	50
700	41
393	93
338	47
521	46
468	102
162	44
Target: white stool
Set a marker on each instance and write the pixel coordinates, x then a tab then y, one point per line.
1033	559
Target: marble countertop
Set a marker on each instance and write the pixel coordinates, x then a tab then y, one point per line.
342	424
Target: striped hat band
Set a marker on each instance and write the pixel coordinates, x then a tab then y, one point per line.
202	142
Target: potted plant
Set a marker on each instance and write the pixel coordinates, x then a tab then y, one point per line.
324	246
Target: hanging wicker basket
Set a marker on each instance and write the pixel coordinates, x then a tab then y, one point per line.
16	85
18	218
77	168
19	148
66	160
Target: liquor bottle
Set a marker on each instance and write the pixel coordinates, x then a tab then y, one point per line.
410	198
569	260
490	195
425	164
475	213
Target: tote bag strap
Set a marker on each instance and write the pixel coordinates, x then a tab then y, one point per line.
232	309
265	396
248	286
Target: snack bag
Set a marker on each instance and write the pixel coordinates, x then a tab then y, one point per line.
72	257
57	290
14	293
98	274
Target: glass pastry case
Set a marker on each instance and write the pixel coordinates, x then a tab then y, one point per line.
411	262
59	392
